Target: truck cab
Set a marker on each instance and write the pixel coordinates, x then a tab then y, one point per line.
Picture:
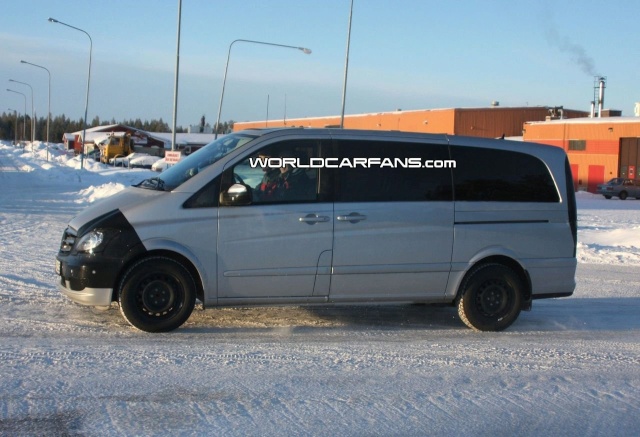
116	145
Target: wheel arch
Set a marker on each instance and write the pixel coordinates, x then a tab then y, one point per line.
166	253
506	261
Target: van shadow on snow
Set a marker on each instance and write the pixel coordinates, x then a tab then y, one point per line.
552	315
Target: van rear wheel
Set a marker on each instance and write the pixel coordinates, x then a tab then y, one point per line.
490	297
157	294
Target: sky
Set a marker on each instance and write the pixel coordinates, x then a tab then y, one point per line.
404	54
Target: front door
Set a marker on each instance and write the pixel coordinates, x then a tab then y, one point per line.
279	245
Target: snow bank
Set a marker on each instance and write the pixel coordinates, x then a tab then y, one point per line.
92	193
608	230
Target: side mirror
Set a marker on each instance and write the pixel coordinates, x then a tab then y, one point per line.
236	195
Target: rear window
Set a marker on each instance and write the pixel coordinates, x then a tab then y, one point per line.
493	175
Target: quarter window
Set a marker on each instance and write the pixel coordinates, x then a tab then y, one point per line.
501	176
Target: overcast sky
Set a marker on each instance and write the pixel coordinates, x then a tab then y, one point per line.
408	54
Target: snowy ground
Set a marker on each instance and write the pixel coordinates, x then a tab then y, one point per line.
569	367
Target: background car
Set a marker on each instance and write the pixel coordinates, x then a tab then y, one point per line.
143	161
621	188
125	160
159	165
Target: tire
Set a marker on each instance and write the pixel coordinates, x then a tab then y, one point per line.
490	297
607	197
157	294
623	195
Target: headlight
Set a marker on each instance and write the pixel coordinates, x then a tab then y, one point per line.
88	242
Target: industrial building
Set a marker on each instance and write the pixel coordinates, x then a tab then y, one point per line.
601	144
489	122
599	148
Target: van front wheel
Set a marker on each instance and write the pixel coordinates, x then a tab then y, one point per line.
157	294
490	298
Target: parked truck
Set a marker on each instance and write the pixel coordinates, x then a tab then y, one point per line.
116	146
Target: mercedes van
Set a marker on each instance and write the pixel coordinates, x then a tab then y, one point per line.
330	216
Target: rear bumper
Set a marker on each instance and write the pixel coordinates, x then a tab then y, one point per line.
555	277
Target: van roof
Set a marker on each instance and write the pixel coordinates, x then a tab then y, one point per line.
461	140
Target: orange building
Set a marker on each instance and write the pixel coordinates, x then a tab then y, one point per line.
598	148
478	122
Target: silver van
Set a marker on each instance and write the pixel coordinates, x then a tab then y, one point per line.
322	216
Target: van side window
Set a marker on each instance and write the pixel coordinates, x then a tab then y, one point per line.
493	175
396	179
285	176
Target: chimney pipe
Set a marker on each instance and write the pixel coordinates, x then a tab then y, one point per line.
601	97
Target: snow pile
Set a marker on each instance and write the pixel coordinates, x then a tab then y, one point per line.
92	193
608	230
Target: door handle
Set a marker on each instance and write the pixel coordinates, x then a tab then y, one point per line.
313	219
354	217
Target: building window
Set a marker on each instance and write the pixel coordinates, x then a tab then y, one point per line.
577	144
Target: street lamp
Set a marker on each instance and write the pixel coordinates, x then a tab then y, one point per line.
175	85
32	110
48	101
346	68
25	111
224	80
86	105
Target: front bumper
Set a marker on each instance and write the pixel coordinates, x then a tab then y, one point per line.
90	278
87	283
99	297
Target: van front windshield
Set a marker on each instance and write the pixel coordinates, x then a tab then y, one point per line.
191	165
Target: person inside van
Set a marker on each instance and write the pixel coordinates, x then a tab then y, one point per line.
269	183
293	183
270	177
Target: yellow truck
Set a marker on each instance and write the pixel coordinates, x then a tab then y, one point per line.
115	146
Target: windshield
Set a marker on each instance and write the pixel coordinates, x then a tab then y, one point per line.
191	165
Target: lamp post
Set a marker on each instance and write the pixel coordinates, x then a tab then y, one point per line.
175	86
25	111
15	114
48	100
32	110
224	80
346	67
86	105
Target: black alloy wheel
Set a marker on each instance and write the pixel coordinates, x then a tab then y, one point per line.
157	294
490	297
